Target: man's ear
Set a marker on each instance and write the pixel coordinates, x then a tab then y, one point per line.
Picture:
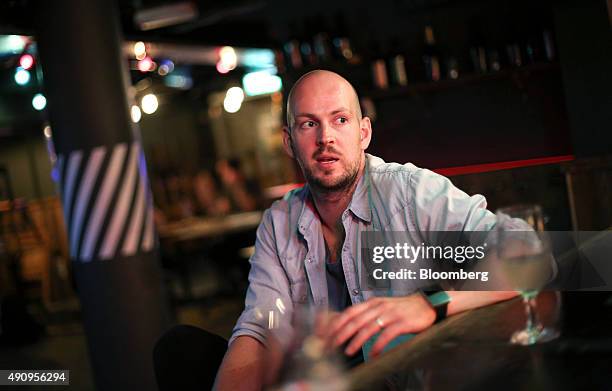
287	142
365	132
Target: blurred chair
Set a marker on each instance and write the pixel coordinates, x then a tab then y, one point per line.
186	358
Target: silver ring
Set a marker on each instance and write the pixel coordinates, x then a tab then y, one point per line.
380	322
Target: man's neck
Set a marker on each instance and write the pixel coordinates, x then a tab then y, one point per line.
330	205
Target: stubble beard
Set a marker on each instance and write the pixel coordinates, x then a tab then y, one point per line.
343	183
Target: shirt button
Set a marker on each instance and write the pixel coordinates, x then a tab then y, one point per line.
309	260
355	292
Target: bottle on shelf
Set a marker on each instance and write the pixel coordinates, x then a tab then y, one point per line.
534	43
453	68
279	60
431	56
342	46
494	60
478	53
513	44
396	64
321	41
309	57
292	49
515	57
380	77
549	44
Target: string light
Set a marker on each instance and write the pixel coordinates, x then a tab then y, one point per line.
47	131
149	104
39	102
26	61
233	99
166	67
140	50
227	59
136	114
22	77
261	82
146	65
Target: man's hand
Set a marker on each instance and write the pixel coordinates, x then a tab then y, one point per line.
392	316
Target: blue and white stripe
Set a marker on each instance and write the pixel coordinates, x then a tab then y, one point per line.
107	203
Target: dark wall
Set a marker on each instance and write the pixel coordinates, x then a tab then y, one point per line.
543	185
585	43
176	136
518	116
28	165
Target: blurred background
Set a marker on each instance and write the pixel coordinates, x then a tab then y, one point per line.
510	99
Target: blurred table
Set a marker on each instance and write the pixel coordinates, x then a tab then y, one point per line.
207	227
470	351
216	241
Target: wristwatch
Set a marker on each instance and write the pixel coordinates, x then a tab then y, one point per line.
439	302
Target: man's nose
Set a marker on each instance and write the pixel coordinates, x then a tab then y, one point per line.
325	134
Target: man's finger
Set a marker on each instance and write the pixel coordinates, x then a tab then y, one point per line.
388	335
352	312
355	325
361	337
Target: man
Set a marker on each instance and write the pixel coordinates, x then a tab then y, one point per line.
306	247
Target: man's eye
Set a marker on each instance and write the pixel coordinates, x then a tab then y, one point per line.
308	124
342	120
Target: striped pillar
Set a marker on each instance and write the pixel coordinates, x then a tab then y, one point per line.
104	190
107	204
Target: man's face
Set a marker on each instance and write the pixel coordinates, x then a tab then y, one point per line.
327	136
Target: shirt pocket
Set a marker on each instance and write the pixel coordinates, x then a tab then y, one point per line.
299	292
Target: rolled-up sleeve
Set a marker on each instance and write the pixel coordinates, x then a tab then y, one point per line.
267	303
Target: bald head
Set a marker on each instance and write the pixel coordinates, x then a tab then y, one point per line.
317	81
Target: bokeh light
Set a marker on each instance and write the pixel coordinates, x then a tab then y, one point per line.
22	77
149	104
136	114
140	50
26	61
39	102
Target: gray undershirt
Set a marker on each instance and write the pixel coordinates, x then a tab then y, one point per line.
337	291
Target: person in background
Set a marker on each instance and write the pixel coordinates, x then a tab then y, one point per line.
243	193
208	200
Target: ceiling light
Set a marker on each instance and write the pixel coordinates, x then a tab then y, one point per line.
140	50
26	61
22	77
149	103
39	102
136	114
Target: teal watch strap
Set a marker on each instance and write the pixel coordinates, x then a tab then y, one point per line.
439	301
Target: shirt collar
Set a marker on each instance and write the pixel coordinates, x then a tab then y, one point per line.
307	214
359	205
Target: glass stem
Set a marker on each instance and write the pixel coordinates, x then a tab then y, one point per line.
530	311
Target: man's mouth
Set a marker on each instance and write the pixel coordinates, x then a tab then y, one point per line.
326	160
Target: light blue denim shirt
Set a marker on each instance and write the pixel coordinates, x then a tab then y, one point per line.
288	266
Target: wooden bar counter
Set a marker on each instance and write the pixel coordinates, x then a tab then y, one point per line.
470	351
